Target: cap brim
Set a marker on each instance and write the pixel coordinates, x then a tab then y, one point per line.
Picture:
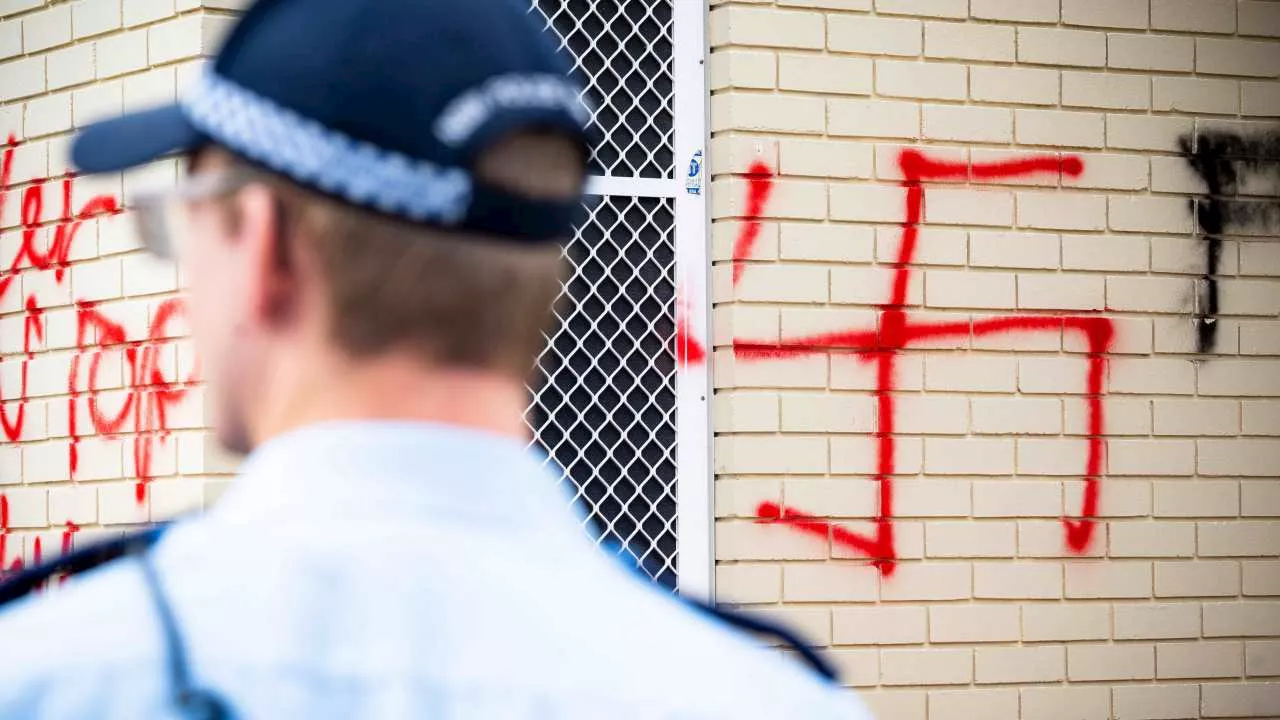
135	139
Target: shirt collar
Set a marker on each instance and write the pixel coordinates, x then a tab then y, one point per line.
393	471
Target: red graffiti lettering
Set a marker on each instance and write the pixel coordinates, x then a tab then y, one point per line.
898	332
32	327
17	563
149	394
37	549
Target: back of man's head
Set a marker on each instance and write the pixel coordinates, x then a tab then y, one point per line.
413	320
366	238
454	299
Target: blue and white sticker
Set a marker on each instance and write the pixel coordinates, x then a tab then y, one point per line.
693	181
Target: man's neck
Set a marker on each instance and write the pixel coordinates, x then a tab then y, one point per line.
397	387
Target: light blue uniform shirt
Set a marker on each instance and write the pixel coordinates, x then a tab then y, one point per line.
386	570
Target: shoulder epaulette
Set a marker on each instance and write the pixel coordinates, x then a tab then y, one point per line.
742	621
191	702
733	618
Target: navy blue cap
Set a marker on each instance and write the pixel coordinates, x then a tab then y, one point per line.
385	104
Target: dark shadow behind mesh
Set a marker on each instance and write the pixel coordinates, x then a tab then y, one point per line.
624	57
605	411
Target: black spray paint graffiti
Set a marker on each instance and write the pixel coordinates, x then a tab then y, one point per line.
1227	162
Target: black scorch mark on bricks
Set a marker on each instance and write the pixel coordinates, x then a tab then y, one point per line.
1228	162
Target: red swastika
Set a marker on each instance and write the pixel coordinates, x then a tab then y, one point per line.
898	331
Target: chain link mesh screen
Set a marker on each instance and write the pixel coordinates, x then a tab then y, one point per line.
623	50
605	407
605	411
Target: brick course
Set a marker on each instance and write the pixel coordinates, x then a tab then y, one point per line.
1169	611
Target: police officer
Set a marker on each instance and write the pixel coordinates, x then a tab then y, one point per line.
368	227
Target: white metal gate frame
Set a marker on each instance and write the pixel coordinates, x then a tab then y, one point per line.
694	478
685	187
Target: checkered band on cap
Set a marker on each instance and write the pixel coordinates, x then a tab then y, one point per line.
314	155
471	110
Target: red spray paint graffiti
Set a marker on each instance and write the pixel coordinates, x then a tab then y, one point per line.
898	332
4	537
688	350
760	184
37	551
149	395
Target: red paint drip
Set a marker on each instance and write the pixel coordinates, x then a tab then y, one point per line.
897	332
67	540
759	186
67	535
4	530
17	563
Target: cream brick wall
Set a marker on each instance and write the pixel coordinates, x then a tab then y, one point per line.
1172	609
80	382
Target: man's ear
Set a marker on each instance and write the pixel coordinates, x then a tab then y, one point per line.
268	276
